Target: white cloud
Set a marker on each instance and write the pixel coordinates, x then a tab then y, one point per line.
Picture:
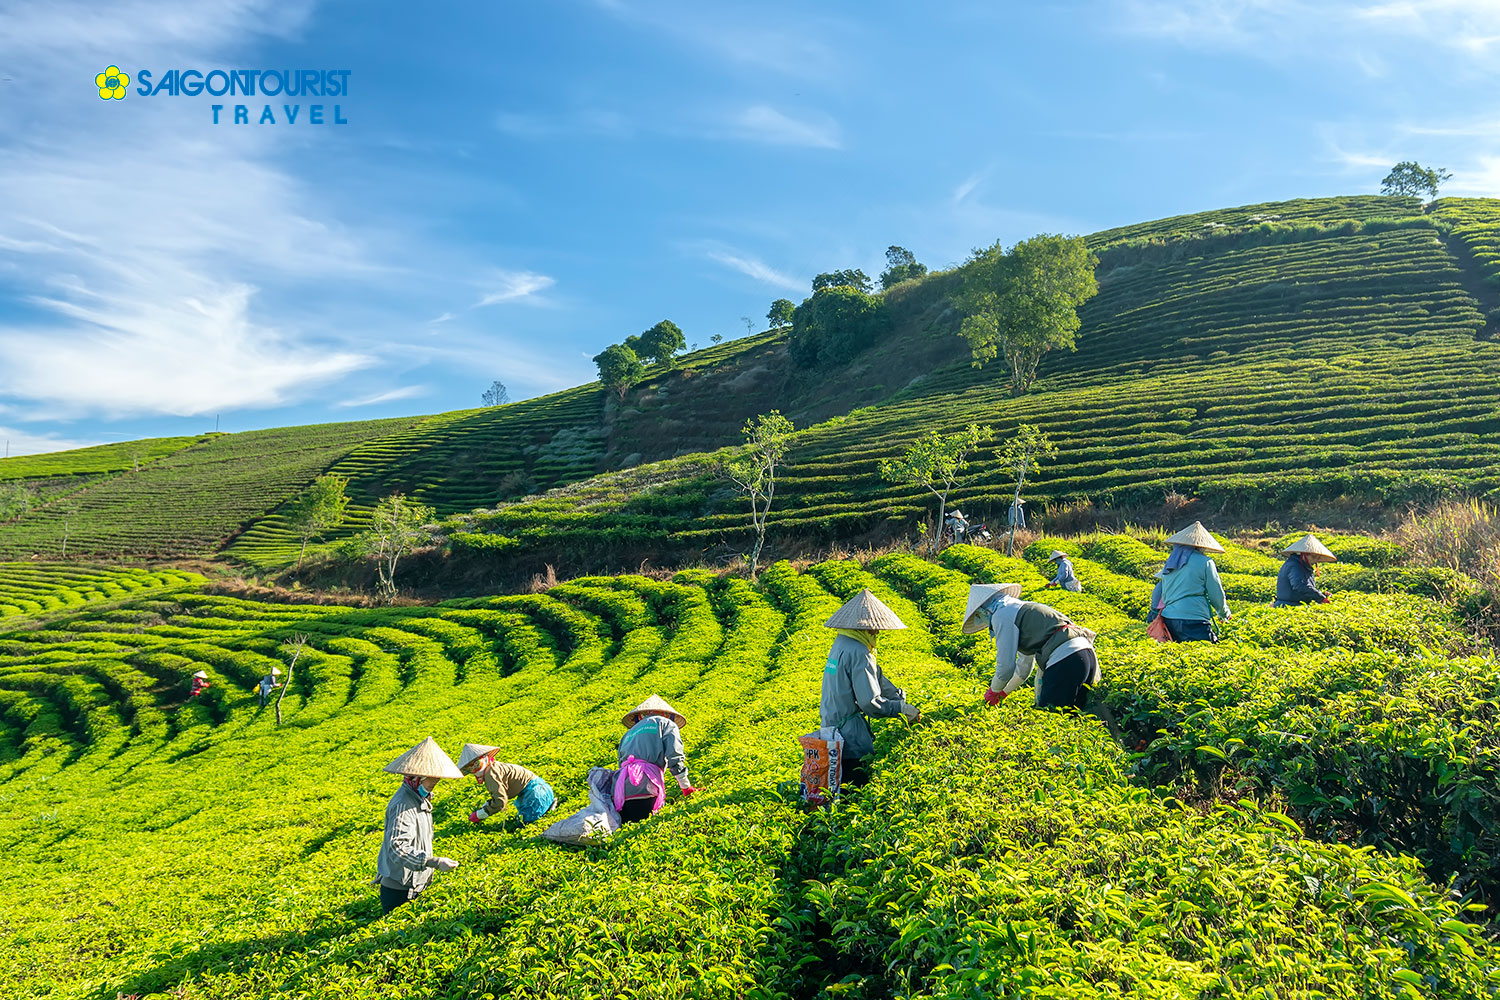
968	184
513	286
403	392
757	269
763	123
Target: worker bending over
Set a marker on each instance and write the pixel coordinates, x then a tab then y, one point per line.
534	797
651	745
1026	634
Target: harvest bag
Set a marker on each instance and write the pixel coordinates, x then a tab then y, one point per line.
639	779
1158	627
822	757
597	819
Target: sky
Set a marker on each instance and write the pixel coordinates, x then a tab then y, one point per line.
513	187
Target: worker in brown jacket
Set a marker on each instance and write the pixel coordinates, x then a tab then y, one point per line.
534	798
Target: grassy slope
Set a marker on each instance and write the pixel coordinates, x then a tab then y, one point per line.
194	850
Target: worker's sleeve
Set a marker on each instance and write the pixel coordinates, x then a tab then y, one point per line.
499	797
1008	675
406	845
1214	590
1155	603
872	692
676	755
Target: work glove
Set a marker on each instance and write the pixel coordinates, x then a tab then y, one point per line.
688	791
913	714
993	697
1325	599
444	864
478	815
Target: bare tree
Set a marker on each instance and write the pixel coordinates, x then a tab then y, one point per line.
768	436
295	645
496	394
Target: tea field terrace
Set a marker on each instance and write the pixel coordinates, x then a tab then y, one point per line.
192	847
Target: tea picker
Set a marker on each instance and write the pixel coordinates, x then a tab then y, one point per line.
1026	634
406	861
1065	577
854	687
1188	592
267	684
534	798
200	684
1297	582
651	745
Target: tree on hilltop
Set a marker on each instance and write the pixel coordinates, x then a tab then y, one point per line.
1411	179
619	369
768	435
661	343
318	509
496	394
901	265
849	277
781	313
1025	303
936	462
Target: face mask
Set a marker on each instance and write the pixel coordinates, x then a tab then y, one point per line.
423	791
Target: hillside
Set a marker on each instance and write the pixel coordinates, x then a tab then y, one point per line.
1320	351
1305	809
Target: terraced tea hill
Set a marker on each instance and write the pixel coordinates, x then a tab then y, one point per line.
173	846
96	460
190	501
30	590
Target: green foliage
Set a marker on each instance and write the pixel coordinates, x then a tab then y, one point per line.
619	369
848	278
398	527
318	509
936	463
661	343
901	265
834	325
780	313
1025	302
15	500
1409	179
767	438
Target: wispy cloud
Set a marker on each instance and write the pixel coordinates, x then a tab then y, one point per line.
757	269
763	123
968	184
404	392
513	286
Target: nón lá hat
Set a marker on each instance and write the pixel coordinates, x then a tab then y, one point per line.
865	612
979	595
425	760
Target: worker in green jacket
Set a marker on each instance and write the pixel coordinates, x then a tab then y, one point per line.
1188	592
854	686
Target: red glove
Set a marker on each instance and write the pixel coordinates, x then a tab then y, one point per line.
688	791
1325	599
993	697
474	817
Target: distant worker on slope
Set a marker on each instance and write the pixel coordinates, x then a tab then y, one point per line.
406	860
534	797
1028	634
1066	578
200	684
1297	582
853	685
267	684
651	746
1189	593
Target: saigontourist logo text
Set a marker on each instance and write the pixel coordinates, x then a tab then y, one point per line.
286	84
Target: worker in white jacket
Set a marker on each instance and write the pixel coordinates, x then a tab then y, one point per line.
1027	633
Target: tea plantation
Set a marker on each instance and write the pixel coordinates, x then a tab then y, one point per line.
1310	351
1307	809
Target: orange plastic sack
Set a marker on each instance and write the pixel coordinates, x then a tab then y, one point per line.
822	759
1158	630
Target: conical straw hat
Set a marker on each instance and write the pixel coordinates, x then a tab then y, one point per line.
1196	536
1309	546
864	611
1056	555
981	592
655	703
425	760
202	674
471	753
275	671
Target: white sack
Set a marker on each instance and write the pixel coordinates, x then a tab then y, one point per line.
597	819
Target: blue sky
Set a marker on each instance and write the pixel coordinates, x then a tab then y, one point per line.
520	185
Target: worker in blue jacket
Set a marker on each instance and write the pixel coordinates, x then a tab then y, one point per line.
1297	582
